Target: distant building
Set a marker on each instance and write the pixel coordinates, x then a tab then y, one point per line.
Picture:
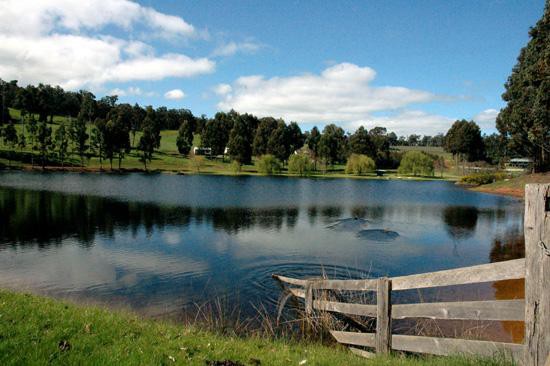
519	164
207	151
304	150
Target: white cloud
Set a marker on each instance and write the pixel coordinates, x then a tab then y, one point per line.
76	61
409	122
486	119
231	48
131	90
47	41
222	89
341	93
174	94
44	16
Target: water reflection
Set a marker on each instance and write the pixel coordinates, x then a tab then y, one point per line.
132	240
460	221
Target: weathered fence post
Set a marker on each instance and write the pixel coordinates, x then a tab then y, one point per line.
537	274
309	298
383	315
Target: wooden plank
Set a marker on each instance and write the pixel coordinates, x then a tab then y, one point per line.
309	299
362	353
345	285
507	270
537	276
291	281
383	316
298	292
345	308
448	346
476	310
355	338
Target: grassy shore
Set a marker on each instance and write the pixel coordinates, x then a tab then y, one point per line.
513	186
39	330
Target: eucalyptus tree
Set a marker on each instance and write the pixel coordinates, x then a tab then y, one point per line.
184	141
525	121
62	143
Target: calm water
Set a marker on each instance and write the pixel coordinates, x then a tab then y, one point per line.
158	243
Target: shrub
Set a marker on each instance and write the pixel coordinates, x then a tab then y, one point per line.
359	164
236	167
268	164
300	164
483	178
416	163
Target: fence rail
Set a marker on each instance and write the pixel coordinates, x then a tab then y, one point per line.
534	309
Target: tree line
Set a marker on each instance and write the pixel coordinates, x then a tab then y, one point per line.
107	129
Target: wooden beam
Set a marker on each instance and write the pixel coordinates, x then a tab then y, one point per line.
383	316
291	281
298	292
355	338
448	346
472	310
537	275
345	308
507	270
345	285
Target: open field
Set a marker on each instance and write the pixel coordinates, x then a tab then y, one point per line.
38	330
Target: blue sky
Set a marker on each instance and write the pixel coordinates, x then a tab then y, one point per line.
413	66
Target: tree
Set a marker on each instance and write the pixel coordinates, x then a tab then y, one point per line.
22	140
62	143
416	163
9	135
295	137
525	121
147	143
265	128
360	164
312	142
184	140
464	141
268	165
278	143
79	136
116	139
495	148
361	143
332	144
97	144
216	132
44	140
240	141
300	164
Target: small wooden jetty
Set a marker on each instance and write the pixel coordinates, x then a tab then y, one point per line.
534	310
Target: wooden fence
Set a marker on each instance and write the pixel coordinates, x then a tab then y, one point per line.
534	310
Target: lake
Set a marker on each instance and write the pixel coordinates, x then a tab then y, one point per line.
161	243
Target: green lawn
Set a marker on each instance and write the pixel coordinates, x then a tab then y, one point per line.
37	330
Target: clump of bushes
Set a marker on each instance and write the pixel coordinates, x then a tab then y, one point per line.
360	164
416	163
300	164
483	178
268	165
236	167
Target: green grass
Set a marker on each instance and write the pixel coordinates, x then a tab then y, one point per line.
37	330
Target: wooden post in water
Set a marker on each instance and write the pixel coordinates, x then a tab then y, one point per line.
383	315
537	274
